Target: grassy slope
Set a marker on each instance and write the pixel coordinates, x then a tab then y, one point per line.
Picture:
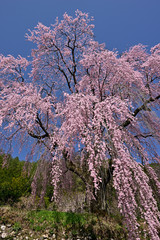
62	224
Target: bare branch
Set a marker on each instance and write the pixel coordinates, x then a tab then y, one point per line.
142	107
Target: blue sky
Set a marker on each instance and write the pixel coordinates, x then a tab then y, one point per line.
118	23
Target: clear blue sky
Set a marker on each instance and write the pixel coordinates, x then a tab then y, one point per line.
118	23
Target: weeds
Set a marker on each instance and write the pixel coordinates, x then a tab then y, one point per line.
17	226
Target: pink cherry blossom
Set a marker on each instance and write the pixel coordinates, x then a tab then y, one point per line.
83	105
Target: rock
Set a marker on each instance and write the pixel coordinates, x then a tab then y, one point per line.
9	225
3	227
27	238
54	235
4	235
5	209
45	236
12	233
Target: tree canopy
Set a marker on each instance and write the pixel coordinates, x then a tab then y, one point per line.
88	108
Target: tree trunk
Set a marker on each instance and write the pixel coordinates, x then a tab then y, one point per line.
98	200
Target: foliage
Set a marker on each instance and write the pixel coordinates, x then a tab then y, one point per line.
13	181
88	111
16	178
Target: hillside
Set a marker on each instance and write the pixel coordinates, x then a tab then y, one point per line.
22	216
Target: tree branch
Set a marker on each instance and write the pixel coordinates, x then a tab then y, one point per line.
144	135
37	136
41	125
142	107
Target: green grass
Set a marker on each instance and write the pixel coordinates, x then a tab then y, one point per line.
17	226
54	217
67	225
75	224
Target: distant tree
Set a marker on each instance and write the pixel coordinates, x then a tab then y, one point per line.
89	111
14	181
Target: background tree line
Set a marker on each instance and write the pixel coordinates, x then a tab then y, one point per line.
14	180
17	177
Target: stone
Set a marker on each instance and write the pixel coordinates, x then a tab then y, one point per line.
9	225
45	236
12	233
3	227
4	235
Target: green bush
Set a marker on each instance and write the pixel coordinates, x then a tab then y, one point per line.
14	182
16	178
